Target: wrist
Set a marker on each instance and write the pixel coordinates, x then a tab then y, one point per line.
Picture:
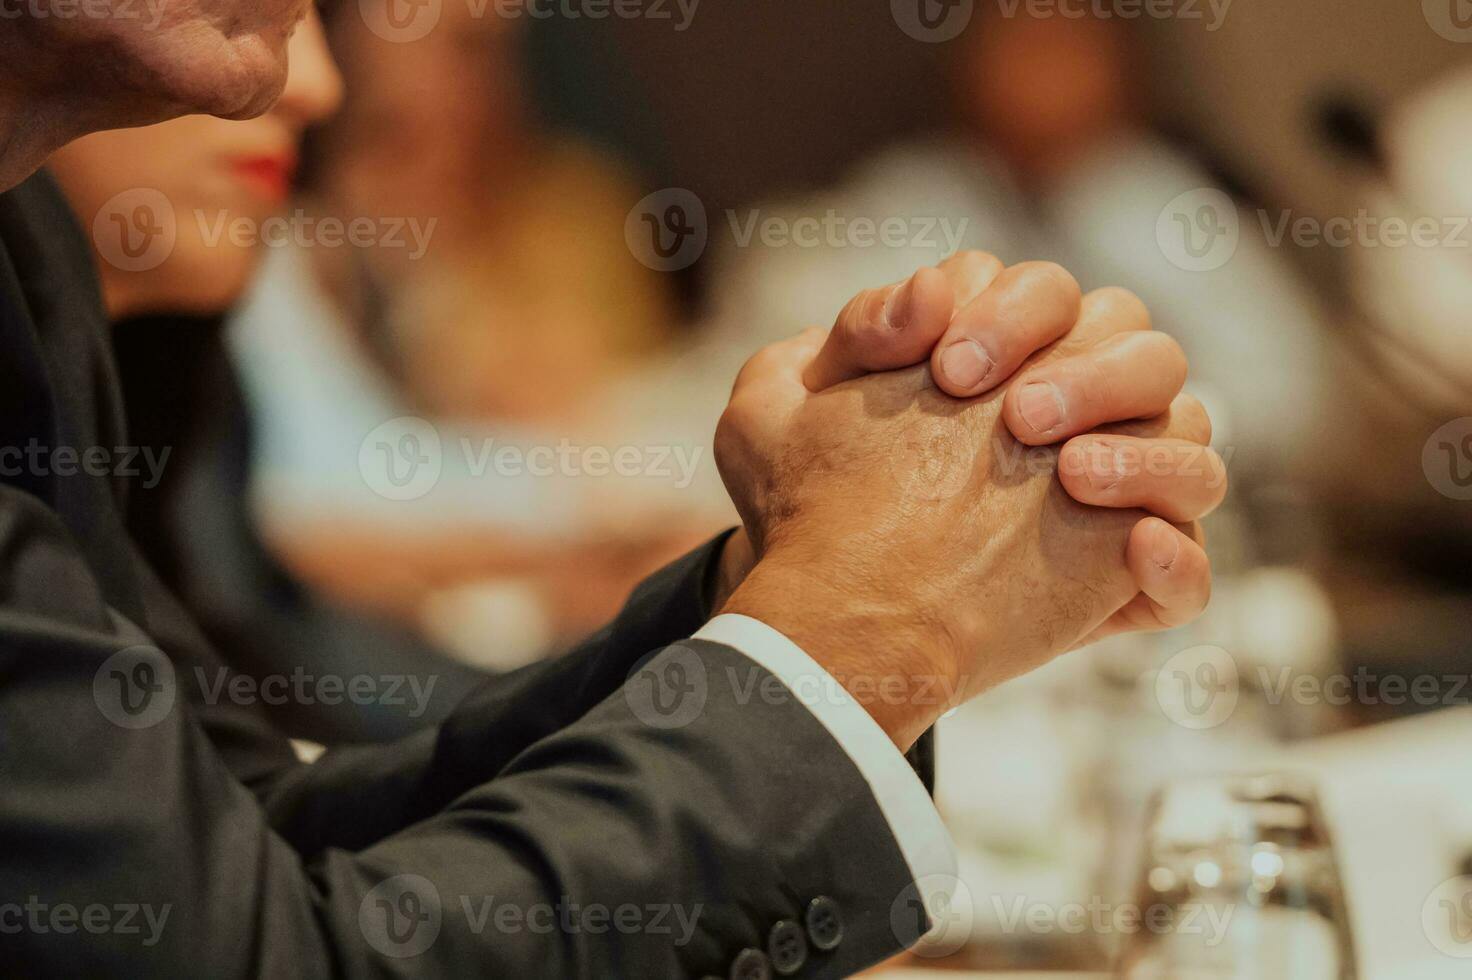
889	663
736	562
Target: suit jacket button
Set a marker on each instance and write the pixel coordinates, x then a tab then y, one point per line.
787	947
751	964
825	923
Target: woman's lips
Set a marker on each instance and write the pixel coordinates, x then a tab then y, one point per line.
269	176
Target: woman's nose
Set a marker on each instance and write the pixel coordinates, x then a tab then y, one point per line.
313	85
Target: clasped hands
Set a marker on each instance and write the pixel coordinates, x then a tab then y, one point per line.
974	471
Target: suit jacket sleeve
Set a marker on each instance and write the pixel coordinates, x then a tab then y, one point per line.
353	796
597	843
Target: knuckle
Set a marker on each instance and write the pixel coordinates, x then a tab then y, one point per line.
1052	276
977	261
1121	306
1219	475
750	371
1163	354
1170	348
737	427
758	367
1096	381
1189	415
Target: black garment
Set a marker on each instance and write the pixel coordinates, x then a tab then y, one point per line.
194	526
544	788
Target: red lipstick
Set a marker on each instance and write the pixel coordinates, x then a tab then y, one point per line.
267	174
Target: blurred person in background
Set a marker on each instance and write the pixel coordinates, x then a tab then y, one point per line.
527	280
1051	155
185	405
1398	512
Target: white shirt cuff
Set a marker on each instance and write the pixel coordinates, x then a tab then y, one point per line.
907	808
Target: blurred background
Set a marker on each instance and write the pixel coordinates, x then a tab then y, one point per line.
450	391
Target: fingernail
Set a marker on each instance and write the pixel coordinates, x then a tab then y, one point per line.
1041	405
965	364
897	307
1167	549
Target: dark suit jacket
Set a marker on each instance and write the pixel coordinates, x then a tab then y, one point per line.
153	824
194	526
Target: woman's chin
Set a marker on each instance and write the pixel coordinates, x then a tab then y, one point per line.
210	291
